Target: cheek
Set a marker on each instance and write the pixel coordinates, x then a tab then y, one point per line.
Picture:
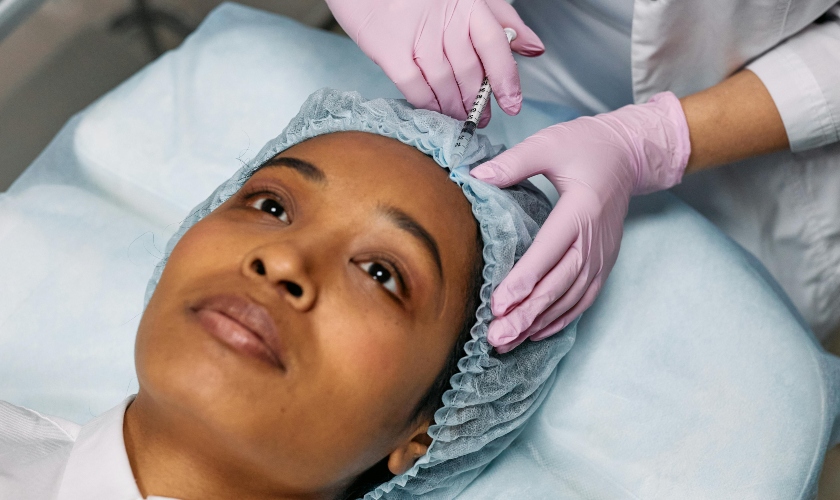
381	366
204	244
371	345
165	344
365	384
367	352
195	255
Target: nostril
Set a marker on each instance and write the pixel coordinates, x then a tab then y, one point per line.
293	288
258	267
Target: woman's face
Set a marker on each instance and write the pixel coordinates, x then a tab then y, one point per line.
298	325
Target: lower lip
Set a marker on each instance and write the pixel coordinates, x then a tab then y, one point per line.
235	335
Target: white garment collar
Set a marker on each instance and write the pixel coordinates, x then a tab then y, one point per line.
98	466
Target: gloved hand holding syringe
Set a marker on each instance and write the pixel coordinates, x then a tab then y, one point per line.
481	100
437	52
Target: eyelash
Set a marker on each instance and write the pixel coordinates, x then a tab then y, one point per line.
256	193
396	275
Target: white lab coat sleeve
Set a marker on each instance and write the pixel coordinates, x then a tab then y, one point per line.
802	75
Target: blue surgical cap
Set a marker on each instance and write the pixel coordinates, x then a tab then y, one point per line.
492	395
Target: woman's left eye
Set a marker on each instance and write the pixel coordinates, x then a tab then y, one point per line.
383	275
270	206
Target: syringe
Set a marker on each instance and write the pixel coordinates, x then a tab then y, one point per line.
481	100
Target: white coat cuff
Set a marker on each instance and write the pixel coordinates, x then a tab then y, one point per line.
804	90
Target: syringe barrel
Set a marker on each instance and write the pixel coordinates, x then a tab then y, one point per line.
480	102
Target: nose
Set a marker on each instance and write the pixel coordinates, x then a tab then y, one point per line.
284	267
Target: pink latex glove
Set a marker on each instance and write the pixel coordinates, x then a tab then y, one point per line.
437	51
596	164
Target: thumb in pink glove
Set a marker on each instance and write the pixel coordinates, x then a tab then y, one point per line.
596	164
438	51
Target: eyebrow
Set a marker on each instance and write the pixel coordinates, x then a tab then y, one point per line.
302	167
414	228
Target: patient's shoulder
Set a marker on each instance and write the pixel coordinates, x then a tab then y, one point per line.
34	449
19	425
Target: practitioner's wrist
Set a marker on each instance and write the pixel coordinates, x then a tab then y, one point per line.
663	143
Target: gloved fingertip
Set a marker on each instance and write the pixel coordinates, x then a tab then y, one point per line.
504	349
531	50
528	46
499	303
484	120
494	341
510	104
500	333
509	345
528	40
507	296
536	45
485	172
503	308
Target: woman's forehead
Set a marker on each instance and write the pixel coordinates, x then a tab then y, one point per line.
360	154
366	167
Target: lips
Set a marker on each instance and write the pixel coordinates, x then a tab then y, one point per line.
242	325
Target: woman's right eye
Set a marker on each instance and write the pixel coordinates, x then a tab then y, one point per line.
270	206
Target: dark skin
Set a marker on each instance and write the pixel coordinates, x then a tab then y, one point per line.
365	313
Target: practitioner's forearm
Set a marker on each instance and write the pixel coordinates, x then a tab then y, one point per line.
733	120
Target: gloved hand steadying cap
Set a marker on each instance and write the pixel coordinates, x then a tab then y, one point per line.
596	164
438	51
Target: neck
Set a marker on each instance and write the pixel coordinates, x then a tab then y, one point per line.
174	456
